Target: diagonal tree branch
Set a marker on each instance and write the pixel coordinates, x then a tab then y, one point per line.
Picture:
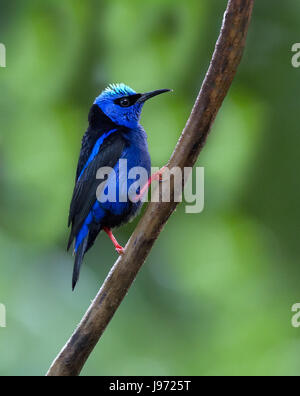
222	69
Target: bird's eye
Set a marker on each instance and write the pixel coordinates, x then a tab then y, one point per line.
125	102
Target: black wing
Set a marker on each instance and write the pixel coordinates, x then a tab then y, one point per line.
84	194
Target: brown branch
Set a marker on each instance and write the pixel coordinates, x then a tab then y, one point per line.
222	69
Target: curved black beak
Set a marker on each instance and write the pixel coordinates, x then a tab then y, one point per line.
151	94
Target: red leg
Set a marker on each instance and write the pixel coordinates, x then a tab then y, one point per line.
156	176
118	247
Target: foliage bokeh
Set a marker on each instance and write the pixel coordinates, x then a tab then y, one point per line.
215	295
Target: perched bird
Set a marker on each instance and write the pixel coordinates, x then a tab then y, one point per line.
113	133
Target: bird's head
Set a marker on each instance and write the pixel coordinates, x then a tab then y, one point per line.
123	105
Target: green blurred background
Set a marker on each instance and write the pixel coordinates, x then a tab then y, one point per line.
215	295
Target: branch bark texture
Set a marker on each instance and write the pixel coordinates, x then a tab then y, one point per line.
223	66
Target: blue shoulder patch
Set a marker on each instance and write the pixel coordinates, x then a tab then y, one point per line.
96	150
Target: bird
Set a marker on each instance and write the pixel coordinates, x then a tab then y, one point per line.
114	132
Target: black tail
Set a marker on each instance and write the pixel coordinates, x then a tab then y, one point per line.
78	260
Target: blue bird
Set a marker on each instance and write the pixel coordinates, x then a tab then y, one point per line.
114	133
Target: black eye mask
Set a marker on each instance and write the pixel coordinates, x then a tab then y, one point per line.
127	101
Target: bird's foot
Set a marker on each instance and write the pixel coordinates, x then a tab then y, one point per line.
118	247
120	250
156	176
